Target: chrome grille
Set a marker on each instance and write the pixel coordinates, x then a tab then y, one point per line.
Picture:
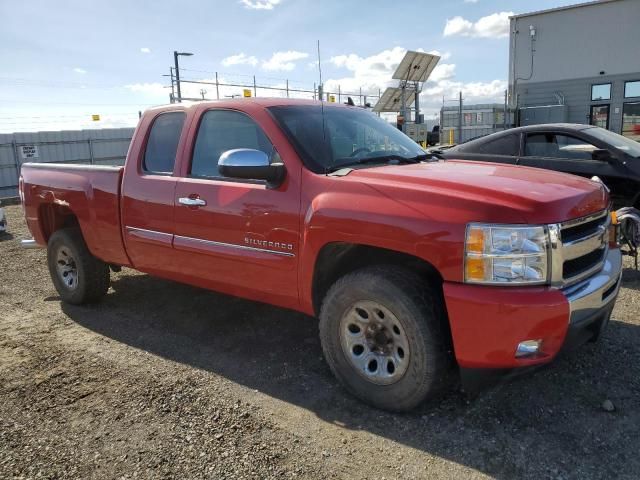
582	247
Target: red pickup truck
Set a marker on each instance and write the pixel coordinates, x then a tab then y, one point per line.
417	269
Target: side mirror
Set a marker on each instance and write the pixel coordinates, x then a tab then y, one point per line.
601	154
250	164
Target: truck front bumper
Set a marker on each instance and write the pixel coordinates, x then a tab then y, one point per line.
489	324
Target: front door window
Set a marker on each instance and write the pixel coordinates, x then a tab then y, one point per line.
557	145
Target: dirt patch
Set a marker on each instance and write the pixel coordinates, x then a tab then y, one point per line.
162	380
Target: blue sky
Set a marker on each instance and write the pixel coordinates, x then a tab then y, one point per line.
65	60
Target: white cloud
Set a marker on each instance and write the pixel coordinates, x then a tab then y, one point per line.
470	1
442	55
240	59
375	66
472	92
495	25
443	71
148	88
145	50
457	26
259	4
283	60
383	63
79	70
373	74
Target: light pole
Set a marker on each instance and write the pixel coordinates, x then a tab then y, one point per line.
176	54
172	95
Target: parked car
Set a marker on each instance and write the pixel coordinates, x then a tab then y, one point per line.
571	148
412	267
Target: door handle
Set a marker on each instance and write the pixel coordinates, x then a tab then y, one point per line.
192	202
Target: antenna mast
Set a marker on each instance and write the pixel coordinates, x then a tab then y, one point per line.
320	85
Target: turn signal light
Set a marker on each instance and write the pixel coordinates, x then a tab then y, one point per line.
475	268
614	231
475	241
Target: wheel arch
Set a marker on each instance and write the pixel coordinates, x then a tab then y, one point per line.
336	259
54	217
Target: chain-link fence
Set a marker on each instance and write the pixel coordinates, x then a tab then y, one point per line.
223	85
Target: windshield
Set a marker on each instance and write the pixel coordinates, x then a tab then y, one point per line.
349	133
628	146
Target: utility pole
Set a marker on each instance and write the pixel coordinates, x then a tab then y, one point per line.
203	93
173	90
416	119
506	111
177	54
172	95
460	118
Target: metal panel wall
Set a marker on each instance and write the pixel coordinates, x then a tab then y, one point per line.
101	147
575	42
8	168
477	120
576	95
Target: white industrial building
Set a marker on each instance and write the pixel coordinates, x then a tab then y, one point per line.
579	63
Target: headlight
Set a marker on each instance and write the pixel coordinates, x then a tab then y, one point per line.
497	254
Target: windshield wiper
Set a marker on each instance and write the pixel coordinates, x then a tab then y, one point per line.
378	158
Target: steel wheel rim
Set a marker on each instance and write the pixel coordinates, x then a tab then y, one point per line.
66	268
374	342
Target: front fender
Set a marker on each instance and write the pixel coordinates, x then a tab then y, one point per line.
356	217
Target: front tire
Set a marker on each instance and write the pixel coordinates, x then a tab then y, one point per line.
78	276
383	336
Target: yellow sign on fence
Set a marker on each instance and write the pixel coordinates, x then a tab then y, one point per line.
246	93
332	98
95	118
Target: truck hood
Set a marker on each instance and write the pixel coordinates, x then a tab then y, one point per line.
487	191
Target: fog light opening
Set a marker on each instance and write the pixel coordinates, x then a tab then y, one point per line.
529	348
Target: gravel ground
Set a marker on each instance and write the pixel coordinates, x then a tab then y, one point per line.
162	380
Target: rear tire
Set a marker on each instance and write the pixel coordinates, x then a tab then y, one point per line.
78	276
383	334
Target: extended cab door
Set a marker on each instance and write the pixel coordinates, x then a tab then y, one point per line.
236	236
148	191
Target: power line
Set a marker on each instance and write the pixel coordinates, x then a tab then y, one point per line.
231	74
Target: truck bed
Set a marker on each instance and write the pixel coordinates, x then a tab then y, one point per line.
86	194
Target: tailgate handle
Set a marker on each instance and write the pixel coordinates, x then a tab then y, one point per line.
192	202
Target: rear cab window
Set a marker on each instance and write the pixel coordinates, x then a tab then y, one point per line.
508	145
162	144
